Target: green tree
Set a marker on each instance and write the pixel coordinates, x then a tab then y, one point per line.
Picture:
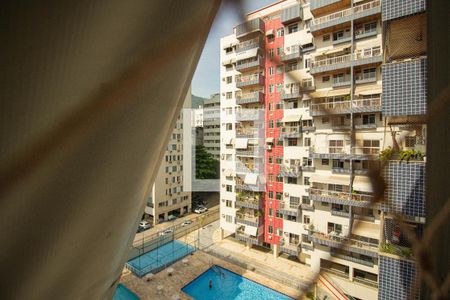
206	167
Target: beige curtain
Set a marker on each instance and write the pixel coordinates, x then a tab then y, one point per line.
89	92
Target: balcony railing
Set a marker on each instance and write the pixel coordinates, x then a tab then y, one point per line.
360	261
359	200
248	133
250	44
308	169
246	238
367	105
362	33
291	171
340	171
248	115
293	55
346	15
340	213
345	243
249	26
286	209
248	202
249	167
358	58
339	107
248	98
291	14
341	81
249	80
247	219
290	248
250	187
249	64
291	132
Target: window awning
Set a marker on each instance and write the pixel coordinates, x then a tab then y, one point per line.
269	32
292	118
250	230
306	39
228	172
241	143
362	184
251	178
371	89
318	94
229	45
227	62
366	229
269	140
228	141
247	54
338	92
333	179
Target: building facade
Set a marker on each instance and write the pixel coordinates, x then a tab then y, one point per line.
167	197
211	125
315	96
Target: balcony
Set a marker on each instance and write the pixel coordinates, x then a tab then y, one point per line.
365	262
341	171
290	248
308	169
307	246
290	171
394	9
328	22
340	213
251	26
252	202
249	132
251	152
366	78
342	39
247	219
291	132
243	237
372	104
294	54
360	57
341	81
291	14
285	209
308	207
292	67
249	80
250	187
405	88
250	44
338	125
292	94
248	98
362	33
318	6
249	115
246	65
358	200
344	243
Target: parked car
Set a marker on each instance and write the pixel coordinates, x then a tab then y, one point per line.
186	223
166	232
171	218
143	226
200	210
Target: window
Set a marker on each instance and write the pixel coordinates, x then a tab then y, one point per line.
270	159
229	219
271	72
410	141
271	53
270	39
229	79
270	194
338	35
293	28
326	78
279	69
280	32
270	177
292	180
368	119
278	195
279	142
325	162
338	164
292	142
306	219
279	230
326	38
270	229
228	203
279	51
371	146
307	63
279	178
370	27
279	160
325	120
229	188
307	24
228	50
307	142
306	181
307	162
271	88
229	95
294	202
270	211
270	123
229	126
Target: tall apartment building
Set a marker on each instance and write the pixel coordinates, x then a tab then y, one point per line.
211	125
167	197
312	94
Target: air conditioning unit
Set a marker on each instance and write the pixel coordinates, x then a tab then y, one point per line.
269	147
286	194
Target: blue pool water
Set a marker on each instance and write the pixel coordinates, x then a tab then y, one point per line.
122	293
159	258
228	287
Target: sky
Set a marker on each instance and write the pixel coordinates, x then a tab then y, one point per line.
206	79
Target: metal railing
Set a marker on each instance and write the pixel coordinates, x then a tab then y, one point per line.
250	44
358	55
346	12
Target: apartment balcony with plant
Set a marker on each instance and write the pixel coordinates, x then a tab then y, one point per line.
243	98
250	64
339	194
249	217
291	247
252	80
343	104
291	53
289	209
249	165
245	115
343	17
249	199
291	131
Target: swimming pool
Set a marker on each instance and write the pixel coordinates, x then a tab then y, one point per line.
122	293
229	286
159	258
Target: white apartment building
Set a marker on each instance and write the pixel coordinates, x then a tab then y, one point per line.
167	196
211	125
298	183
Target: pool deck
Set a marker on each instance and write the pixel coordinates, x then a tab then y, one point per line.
198	263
